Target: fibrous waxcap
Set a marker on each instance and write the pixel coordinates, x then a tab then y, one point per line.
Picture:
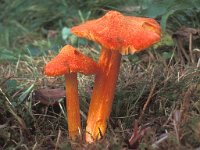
115	31
70	60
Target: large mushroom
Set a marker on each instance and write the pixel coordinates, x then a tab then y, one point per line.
117	34
68	62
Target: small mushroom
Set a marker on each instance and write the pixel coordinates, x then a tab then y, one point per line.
117	34
68	62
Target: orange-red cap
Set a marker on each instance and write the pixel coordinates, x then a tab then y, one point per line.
118	32
70	60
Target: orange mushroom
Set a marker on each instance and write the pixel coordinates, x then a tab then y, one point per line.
117	34
68	62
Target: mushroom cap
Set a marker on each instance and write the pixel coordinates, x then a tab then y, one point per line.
70	60
115	31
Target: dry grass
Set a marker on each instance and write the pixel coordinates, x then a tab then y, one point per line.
157	104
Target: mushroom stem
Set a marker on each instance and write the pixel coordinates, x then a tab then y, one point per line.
72	105
103	94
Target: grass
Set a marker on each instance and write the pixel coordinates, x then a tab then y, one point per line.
157	100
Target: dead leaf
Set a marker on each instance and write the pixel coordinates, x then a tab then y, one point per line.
184	33
187	39
137	135
49	96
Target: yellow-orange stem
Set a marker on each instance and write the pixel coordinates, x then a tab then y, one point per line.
72	105
103	94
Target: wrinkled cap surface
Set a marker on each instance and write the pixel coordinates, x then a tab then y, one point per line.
70	60
115	31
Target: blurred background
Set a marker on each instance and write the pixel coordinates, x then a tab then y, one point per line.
36	26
